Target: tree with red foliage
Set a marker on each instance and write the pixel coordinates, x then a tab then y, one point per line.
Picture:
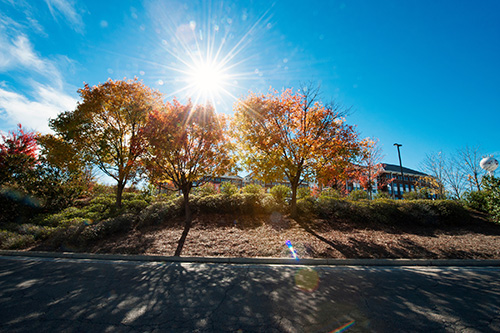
18	153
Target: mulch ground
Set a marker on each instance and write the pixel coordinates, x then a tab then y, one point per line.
265	236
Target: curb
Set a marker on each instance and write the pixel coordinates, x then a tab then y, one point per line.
259	261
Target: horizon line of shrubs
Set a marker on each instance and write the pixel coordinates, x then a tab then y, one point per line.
97	218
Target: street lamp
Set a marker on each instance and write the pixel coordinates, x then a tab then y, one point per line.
401	168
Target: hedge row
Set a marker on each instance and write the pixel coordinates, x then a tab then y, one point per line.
98	219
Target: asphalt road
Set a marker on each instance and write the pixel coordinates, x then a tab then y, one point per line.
71	295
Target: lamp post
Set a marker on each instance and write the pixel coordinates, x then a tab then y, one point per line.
401	168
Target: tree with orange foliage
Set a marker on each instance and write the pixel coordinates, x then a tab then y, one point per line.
186	145
105	128
294	136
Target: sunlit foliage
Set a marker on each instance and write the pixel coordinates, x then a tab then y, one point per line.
186	145
105	128
293	135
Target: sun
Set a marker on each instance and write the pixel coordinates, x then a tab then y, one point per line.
207	79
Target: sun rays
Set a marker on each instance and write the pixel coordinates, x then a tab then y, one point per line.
207	58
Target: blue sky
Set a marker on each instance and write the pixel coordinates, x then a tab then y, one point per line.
421	73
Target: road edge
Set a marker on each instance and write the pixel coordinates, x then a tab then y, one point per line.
256	261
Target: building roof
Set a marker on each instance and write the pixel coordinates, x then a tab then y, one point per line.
396	169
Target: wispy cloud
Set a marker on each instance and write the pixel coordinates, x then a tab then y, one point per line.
67	10
42	95
28	23
18	54
34	113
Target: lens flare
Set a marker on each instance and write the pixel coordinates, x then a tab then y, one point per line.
292	250
307	279
343	328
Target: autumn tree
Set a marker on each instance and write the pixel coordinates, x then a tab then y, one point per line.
18	154
29	183
186	146
105	128
294	136
370	167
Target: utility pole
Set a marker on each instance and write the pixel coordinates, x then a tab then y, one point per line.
401	168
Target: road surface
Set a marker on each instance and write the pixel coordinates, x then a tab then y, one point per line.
75	295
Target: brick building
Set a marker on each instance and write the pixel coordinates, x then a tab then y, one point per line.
390	180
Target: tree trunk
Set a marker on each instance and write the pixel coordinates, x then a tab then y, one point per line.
293	202
119	192
187	222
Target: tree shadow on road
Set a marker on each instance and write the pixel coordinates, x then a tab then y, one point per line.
102	296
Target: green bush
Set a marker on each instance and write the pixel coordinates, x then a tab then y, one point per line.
270	205
382	195
306	206
205	189
477	200
330	193
303	192
253	189
281	193
401	212
358	195
228	188
135	206
383	211
251	203
160	212
418	212
492	189
420	194
450	212
103	229
12	240
328	207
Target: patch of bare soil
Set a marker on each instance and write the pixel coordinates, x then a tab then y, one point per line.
265	236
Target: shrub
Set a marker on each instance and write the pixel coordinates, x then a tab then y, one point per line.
330	193
418	212
492	189
306	206
251	203
382	195
253	189
65	217
12	240
135	206
358	195
450	212
38	232
328	207
383	211
420	194
160	212
228	188
281	193
270	205
477	200
303	192
105	228
205	189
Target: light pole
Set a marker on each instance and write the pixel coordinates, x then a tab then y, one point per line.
401	168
